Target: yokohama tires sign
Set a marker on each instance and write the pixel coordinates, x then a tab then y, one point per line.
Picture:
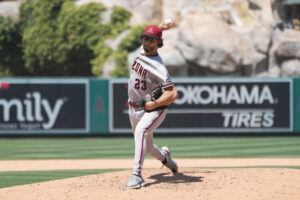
218	105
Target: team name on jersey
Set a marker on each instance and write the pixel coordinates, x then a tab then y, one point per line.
139	69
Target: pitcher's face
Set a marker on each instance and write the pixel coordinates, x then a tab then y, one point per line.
150	45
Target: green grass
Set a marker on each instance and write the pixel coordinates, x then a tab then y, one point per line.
189	147
93	148
8	179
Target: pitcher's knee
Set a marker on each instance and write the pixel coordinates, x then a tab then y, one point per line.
141	131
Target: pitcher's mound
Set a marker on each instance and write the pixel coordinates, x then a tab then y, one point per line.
188	184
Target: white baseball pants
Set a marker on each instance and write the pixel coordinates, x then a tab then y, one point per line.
143	124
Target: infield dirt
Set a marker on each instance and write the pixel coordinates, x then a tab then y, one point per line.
188	184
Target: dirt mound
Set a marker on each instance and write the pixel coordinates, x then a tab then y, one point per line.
189	183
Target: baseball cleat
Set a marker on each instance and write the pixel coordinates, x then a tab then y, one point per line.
168	162
135	182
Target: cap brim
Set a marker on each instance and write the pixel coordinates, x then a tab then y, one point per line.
149	35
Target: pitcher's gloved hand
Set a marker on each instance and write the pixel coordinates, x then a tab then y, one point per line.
151	97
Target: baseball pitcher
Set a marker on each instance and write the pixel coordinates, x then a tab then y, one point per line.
150	90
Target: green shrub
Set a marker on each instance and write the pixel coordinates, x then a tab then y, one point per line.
58	38
103	53
66	40
130	43
121	68
61	37
119	22
11	62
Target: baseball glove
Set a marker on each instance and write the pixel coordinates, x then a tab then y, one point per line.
152	96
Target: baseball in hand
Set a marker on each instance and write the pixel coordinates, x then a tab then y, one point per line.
168	22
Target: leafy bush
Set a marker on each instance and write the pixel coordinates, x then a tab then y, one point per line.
61	37
119	22
103	53
11	61
130	43
121	68
58	38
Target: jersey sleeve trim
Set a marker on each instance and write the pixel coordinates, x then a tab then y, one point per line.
167	85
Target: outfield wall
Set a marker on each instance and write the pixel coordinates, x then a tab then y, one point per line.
296	105
80	106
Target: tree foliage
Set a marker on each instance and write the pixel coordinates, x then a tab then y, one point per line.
61	37
10	48
58	38
130	43
119	22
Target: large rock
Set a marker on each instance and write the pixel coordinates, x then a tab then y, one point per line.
278	12
291	68
143	11
205	43
174	61
171	56
259	35
289	44
276	34
209	42
258	38
264	11
10	8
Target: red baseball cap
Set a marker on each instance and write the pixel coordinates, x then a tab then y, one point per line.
153	31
